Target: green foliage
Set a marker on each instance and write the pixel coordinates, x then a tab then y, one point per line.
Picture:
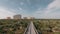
12	26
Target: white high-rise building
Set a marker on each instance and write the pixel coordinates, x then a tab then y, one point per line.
17	16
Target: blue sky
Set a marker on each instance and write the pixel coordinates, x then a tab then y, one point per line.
34	8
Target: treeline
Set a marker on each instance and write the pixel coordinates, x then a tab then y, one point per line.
43	26
13	26
47	26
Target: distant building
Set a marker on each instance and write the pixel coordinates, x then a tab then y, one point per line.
17	16
8	17
28	18
25	18
31	18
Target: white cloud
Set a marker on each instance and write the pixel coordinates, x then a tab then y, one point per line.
21	3
50	10
20	9
54	4
28	1
5	13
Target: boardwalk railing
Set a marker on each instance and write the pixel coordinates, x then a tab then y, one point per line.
26	30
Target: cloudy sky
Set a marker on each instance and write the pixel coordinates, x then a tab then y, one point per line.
33	8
